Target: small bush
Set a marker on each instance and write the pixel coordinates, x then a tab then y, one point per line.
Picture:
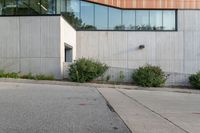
9	75
149	76
195	80
44	77
108	77
38	77
84	70
121	76
27	76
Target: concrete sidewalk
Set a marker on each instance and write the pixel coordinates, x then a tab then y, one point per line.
156	111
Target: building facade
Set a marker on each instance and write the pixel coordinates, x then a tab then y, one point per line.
39	36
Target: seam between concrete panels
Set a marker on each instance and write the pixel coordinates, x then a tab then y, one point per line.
113	110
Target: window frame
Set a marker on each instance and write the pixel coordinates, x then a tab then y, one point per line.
58	13
175	30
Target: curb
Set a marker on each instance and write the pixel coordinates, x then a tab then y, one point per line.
127	87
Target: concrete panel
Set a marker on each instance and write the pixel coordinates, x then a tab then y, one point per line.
50	36
191	52
31	44
51	66
46	66
10	64
103	45
191	20
192	47
90	49
144	56
30	37
31	65
169	45
169	51
9	37
117	46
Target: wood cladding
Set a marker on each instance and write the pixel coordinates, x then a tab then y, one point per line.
151	4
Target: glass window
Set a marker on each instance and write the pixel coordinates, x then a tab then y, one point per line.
73	6
1	6
115	19
48	6
10	7
63	6
58	6
142	20
156	20
169	18
72	13
101	17
35	7
87	15
23	7
128	19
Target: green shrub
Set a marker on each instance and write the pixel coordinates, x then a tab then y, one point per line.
44	77
149	76
9	75
38	77
195	80
121	76
84	70
108	77
27	76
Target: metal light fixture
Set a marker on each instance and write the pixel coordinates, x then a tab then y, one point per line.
141	46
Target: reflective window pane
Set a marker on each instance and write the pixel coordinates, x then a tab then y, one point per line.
63	6
35	7
115	19
87	15
72	13
10	7
142	20
58	6
23	7
101	17
1	6
156	20
169	20
128	19
73	6
48	6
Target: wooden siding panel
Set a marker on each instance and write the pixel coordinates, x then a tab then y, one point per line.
151	4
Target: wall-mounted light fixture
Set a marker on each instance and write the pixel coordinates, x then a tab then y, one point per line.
141	46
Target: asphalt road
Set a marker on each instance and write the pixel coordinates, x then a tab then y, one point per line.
37	108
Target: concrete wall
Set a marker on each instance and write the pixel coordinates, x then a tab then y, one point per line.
33	44
68	36
177	53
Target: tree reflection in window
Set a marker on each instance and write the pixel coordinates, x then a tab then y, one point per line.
76	22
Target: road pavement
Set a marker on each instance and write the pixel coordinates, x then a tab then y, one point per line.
42	108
